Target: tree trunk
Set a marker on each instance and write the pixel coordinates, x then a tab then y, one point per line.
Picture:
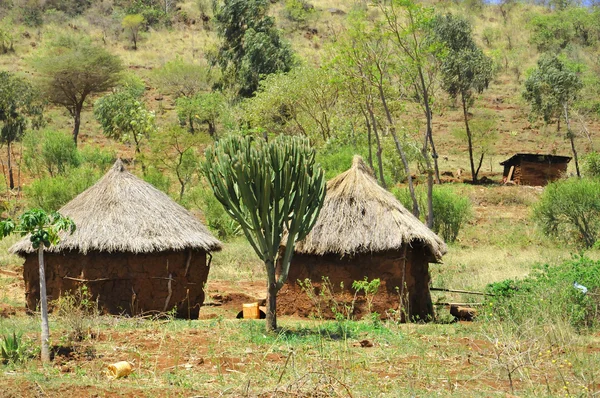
429	118
369	140
469	139
76	123
45	336
379	148
271	306
400	150
10	172
571	138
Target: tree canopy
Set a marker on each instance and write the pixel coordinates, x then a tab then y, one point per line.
72	69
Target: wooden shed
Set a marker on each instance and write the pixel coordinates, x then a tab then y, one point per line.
362	232
533	169
135	249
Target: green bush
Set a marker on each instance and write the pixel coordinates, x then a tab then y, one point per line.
51	193
297	10
591	165
158	179
569	210
450	211
49	151
217	219
549	295
58	152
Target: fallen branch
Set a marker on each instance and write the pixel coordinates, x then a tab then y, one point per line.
440	289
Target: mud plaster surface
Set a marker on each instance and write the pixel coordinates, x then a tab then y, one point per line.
342	272
124	283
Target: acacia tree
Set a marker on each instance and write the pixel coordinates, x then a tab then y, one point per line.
551	89
72	70
269	188
43	230
132	24
251	46
183	79
465	70
19	108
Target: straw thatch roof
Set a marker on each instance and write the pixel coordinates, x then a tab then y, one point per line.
122	213
359	216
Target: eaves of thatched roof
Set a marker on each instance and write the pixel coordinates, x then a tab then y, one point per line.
359	216
122	213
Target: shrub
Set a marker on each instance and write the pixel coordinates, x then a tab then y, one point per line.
297	10
50	152
51	193
591	165
450	213
216	217
549	295
569	210
58	152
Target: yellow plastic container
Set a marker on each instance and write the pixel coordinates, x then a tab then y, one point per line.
251	311
120	369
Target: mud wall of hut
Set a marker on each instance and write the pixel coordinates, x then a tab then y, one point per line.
390	267
536	173
124	283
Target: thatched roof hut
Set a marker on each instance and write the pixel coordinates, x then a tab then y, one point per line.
364	231
134	247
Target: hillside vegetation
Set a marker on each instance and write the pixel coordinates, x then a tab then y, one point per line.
426	92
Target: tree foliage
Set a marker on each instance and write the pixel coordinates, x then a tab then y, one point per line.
73	69
20	108
183	79
43	230
550	86
205	108
133	25
569	210
551	89
302	101
251	46
269	188
124	117
466	70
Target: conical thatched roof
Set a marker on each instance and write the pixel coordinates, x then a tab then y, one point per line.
122	213
359	216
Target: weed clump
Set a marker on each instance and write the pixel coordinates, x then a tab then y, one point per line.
551	295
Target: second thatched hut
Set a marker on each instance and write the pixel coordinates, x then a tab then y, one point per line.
135	249
362	232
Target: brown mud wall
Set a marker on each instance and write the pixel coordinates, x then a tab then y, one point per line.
536	174
387	266
124	283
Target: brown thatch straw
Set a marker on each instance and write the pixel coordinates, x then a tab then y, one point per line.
122	213
359	216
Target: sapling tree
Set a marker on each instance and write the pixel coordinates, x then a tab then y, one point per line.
123	116
20	108
133	24
551	89
275	191
466	70
43	230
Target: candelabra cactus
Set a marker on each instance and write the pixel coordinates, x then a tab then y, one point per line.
274	190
